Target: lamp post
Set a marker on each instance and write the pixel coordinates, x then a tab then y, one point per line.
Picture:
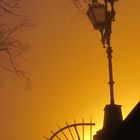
102	17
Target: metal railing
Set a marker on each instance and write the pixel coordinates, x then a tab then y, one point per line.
74	131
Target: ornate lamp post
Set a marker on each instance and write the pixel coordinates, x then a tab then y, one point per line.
101	18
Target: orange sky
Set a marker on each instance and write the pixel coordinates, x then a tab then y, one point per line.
69	70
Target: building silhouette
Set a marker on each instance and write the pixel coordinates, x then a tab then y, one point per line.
130	127
115	128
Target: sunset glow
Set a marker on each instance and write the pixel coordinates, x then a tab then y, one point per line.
68	68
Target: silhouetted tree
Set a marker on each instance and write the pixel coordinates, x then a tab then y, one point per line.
12	50
82	5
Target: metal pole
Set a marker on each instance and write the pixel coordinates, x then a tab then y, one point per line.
108	31
111	82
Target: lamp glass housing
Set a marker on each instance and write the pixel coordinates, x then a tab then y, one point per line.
96	14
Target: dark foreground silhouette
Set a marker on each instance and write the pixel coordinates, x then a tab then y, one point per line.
115	128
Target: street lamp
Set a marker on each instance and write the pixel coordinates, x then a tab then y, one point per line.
101	17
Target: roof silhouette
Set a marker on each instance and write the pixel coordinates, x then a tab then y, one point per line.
130	127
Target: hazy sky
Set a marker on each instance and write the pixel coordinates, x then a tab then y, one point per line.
69	70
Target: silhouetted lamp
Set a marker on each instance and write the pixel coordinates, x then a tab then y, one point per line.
96	14
102	16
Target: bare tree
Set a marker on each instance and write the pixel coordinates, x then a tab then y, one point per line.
82	5
11	48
